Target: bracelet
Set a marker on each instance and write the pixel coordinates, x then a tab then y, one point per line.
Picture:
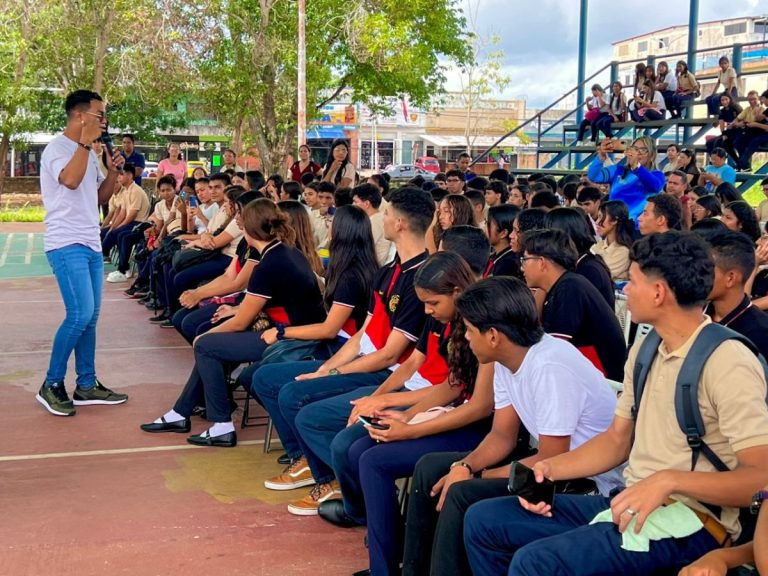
280	331
86	146
463	465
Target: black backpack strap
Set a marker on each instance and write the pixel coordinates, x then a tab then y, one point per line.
687	389
643	362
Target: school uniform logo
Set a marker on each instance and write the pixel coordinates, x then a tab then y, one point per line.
393	303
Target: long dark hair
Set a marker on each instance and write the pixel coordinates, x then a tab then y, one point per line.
352	250
746	217
442	274
305	238
625	226
463	214
727	193
329	162
572	222
711	204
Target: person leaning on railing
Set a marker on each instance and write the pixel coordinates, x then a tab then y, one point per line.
632	182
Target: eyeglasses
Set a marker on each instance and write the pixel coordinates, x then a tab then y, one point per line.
524	259
639	149
100	115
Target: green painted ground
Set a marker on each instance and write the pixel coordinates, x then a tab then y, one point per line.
22	256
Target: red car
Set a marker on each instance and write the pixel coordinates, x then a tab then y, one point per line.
428	163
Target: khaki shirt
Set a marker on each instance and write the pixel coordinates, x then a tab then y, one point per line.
687	82
615	256
381	244
732	402
762	211
116	200
134	198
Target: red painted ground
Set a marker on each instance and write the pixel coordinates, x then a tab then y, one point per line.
177	511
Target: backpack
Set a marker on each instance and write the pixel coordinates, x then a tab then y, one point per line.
687	392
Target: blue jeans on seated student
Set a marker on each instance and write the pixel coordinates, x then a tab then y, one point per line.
79	273
503	538
111	238
295	397
713	101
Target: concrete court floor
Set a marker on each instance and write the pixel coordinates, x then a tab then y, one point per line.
92	494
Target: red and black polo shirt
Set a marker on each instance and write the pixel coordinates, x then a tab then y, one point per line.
285	279
433	343
505	263
575	311
351	293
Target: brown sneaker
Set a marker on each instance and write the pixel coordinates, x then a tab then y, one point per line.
296	475
308	505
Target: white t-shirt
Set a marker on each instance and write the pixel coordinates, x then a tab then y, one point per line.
72	216
558	392
209	212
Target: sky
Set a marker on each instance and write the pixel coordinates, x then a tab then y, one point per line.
540	37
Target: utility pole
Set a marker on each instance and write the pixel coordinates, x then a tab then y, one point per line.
302	80
582	60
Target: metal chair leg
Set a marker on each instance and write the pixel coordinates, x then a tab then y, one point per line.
268	436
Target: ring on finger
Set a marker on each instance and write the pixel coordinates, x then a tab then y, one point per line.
630	512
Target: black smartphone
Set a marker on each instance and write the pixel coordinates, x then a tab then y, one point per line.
522	482
373	422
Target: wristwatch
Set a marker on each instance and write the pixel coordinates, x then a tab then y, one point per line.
86	146
757	501
280	331
463	465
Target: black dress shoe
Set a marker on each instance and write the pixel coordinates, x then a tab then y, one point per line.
366	572
228	440
178	426
333	511
284	459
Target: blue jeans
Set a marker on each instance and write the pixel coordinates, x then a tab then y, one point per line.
79	273
503	538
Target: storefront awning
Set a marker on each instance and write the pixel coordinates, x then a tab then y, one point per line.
325	133
452	141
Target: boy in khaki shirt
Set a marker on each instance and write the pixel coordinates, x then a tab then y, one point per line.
671	276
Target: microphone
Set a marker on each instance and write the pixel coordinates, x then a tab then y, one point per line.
106	139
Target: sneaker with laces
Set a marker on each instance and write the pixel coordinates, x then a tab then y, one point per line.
55	399
308	505
116	276
99	394
296	475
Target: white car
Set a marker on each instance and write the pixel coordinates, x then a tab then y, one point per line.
150	170
408	171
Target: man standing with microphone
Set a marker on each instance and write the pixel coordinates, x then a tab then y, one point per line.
73	188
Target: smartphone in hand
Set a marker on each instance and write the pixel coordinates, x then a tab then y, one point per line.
373	422
522	482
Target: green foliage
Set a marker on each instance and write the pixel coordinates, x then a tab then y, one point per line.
23	214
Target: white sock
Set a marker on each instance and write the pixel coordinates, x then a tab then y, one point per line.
170	416
221	428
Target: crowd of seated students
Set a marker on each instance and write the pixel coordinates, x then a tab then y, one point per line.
390	335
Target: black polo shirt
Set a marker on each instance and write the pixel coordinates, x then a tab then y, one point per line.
351	293
748	320
285	278
593	268
393	304
505	263
575	311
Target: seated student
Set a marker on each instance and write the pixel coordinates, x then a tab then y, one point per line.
342	196
272	188
206	207
299	220
729	111
752	138
455	181
395	318
677	186
503	261
540	383
662	213
726	78
323	215
633	182
588	199
617	110
222	243
528	219
573	309
543	198
517	195
290	190
666	83
752	113
470	243
570	191
283	287
477	198
740	217
718	170
449	377
453	210
368	197
618	234
728	193
195	317
707	206
687	88
729	304
496	193
597	109
217	186
134	208
762	209
501	175
255	180
672	153
720	561
478	183
648	105
593	268
671	276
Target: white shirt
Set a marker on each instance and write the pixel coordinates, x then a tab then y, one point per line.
72	216
209	212
558	392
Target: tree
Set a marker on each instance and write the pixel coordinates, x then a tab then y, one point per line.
369	50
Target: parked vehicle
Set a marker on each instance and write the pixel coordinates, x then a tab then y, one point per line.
150	170
408	171
428	163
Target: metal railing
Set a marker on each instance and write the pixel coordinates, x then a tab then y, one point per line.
736	52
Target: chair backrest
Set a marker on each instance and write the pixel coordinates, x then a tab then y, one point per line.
623	314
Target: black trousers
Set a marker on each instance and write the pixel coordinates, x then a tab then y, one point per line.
434	541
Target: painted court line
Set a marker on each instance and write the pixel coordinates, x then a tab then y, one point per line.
59	301
52	455
100	350
6	250
30	248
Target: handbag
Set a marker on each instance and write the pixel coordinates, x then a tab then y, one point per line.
592	114
188	257
290	351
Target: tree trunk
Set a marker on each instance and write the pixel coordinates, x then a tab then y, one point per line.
5	145
101	50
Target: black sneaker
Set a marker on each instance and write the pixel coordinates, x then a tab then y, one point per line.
167	324
99	394
55	399
159	319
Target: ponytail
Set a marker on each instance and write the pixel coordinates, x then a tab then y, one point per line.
263	220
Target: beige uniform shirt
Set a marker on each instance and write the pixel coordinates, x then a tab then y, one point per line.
134	198
382	245
615	256
732	402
